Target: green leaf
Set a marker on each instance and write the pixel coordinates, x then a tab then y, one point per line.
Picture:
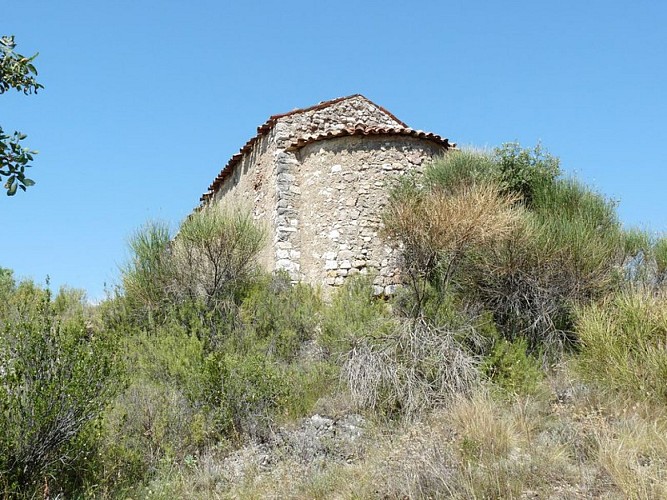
28	182
12	188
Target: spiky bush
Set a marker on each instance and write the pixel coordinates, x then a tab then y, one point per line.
214	254
510	236
439	228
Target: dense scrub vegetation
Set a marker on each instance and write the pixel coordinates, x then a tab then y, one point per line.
524	355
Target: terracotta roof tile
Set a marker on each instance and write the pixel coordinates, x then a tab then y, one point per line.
364	130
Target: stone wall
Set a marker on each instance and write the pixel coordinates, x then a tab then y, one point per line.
344	189
252	186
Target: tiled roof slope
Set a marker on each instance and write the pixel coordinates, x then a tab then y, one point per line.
359	129
364	130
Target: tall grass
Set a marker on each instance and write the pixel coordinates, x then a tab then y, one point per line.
461	168
660	252
623	345
148	275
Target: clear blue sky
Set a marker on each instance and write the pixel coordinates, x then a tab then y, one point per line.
145	101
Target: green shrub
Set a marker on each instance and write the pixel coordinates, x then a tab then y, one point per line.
525	171
565	253
280	316
214	255
510	367
170	356
165	414
623	345
56	376
247	391
148	425
354	313
145	422
579	229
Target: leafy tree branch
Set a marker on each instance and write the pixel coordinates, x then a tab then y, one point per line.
16	72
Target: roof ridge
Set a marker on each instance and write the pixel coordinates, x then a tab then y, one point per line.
320	105
271	121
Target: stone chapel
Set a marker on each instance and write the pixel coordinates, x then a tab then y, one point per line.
318	178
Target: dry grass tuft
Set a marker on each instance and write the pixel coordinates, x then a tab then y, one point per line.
442	222
624	349
413	369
